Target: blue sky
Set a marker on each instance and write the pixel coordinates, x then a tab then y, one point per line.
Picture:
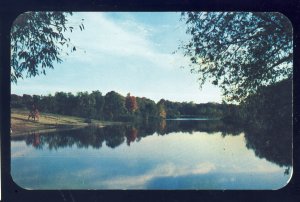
127	53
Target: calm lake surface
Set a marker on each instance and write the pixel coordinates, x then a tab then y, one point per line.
172	154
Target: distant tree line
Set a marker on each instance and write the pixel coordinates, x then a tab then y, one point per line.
116	107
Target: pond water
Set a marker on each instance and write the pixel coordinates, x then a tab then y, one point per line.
172	154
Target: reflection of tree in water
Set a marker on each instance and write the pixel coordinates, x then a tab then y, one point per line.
114	136
35	141
81	138
131	135
273	144
162	125
209	127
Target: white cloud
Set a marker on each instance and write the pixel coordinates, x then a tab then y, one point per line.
104	38
164	170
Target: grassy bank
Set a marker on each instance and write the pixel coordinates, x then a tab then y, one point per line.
20	125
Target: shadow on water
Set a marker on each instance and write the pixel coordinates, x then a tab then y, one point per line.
273	144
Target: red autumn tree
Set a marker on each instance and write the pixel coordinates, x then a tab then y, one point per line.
131	103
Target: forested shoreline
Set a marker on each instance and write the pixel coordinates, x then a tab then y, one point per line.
271	105
116	107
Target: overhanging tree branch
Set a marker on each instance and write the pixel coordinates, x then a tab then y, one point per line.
255	48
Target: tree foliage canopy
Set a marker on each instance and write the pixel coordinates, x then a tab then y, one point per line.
37	40
112	106
239	51
131	103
